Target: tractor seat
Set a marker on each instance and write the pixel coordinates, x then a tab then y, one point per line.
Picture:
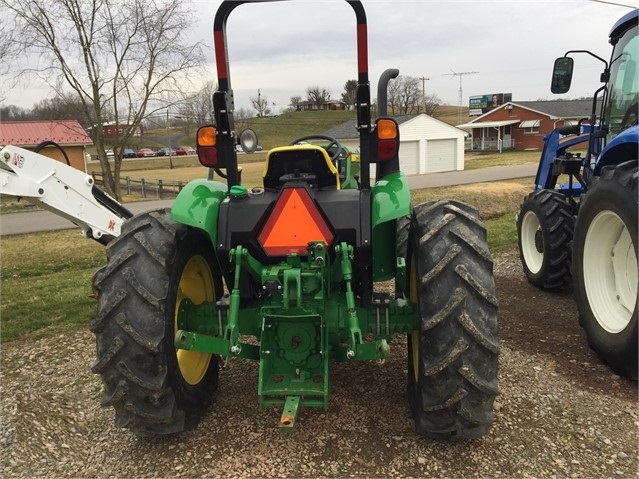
300	163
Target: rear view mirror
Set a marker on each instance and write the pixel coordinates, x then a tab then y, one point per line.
561	75
248	140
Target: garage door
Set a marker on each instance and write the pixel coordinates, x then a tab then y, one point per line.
441	155
409	157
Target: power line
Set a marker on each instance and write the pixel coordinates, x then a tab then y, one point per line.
612	3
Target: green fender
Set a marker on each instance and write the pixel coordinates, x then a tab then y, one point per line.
198	205
390	201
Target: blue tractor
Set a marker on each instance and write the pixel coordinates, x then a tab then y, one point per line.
578	228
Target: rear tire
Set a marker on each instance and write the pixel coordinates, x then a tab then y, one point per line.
401	243
453	357
155	389
544	229
605	267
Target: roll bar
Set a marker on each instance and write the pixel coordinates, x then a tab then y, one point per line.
223	101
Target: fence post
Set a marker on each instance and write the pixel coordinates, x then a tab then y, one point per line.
143	192
159	189
128	185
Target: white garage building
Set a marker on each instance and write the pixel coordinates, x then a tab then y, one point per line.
427	145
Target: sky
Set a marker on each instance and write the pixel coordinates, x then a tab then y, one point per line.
281	48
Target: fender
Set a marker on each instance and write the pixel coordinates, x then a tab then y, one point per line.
198	205
390	200
623	147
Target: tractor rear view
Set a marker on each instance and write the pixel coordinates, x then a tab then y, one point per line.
288	274
583	233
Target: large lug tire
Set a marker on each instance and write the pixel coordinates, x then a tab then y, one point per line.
605	267
544	229
155	389
453	356
401	242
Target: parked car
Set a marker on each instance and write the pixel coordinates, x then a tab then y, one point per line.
145	152
239	148
109	154
128	153
185	150
165	152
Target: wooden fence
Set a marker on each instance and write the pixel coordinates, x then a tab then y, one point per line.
144	188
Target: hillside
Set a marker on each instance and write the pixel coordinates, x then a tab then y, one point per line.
280	130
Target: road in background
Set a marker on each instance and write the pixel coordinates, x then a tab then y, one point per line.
40	220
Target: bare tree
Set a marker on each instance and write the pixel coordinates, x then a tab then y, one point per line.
349	96
242	117
318	96
123	60
404	95
197	109
432	105
66	106
14	113
8	50
295	102
260	104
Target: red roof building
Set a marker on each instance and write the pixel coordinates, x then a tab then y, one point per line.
69	134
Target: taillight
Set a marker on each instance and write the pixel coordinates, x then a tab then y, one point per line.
206	146
387	139
386	129
294	222
386	150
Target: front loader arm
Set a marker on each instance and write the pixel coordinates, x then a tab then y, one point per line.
63	190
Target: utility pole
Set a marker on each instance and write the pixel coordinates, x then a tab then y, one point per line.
460	98
423	79
168	134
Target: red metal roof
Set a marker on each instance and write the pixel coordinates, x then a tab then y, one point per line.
31	133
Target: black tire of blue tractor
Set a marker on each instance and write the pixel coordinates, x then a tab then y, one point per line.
552	240
616	192
453	357
135	326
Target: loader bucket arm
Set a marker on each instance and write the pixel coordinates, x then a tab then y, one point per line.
223	101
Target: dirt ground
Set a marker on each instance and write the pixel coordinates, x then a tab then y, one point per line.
561	413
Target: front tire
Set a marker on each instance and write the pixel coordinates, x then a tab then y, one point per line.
155	389
605	267
544	229
453	356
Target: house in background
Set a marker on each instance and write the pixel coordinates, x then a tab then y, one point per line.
427	145
522	125
69	134
331	105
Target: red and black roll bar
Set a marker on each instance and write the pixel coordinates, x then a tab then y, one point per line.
223	102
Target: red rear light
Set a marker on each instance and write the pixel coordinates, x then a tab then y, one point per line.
294	222
206	146
386	150
207	156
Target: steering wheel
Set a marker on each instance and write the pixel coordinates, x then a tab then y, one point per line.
332	142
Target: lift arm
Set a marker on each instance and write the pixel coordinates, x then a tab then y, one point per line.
62	190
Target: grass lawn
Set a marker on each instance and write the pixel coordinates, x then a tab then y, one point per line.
253	166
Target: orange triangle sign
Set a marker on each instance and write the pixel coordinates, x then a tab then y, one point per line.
294	222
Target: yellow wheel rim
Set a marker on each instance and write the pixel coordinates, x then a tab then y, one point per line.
415	334
196	284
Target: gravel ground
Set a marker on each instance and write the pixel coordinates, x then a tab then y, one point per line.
561	414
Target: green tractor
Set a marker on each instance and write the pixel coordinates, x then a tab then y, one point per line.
289	274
